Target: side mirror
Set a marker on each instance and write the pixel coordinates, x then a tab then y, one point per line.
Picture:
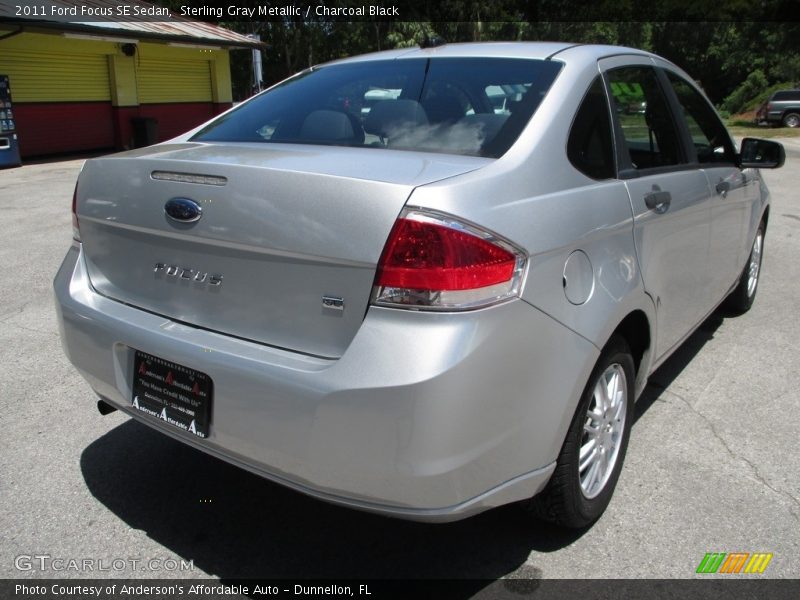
761	154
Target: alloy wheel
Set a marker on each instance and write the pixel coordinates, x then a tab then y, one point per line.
792	120
755	265
603	430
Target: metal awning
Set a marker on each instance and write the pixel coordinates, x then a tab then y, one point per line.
106	19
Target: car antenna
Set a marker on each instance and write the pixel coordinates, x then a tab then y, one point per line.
432	41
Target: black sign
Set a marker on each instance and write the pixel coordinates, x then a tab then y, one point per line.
177	395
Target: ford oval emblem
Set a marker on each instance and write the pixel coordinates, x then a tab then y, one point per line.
183	210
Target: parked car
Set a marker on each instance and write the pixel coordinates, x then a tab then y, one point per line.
782	108
429	309
636	107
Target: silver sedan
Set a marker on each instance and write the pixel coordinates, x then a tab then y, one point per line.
424	282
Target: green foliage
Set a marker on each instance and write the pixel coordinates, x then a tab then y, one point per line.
408	35
789	70
745	92
734	61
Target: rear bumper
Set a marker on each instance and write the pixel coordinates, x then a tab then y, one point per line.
426	416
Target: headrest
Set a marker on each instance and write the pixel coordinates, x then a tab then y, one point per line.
443	109
389	117
328	125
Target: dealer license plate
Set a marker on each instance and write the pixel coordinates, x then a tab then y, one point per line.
178	395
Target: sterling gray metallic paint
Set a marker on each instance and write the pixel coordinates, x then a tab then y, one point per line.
423	415
398	422
272	273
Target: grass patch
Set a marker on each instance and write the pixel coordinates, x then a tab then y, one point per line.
741	129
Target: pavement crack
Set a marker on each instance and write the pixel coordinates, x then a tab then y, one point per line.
753	468
16	311
32	330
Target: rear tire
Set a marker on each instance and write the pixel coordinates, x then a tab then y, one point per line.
791	120
744	294
591	458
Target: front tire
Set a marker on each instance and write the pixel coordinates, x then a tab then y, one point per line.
744	294
591	458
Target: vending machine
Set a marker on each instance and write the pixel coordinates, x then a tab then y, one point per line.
9	143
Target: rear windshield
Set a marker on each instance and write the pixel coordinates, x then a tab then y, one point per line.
472	106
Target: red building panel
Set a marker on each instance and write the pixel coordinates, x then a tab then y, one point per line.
52	128
175	119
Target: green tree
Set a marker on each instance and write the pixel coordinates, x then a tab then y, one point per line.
720	54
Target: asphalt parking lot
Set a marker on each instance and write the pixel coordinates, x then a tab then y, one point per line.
712	464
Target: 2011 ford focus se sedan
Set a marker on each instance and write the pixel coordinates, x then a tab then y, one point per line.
424	282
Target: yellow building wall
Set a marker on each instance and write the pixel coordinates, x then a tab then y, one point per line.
122	70
50	68
47	67
221	86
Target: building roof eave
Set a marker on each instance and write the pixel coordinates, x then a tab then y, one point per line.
97	30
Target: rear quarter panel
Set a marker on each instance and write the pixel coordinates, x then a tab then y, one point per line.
534	197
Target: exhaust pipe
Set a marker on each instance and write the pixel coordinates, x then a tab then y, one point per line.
104	407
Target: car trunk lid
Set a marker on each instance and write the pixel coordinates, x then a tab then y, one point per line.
286	249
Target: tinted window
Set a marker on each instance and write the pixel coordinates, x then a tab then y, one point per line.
590	148
648	130
441	105
502	97
788	95
709	136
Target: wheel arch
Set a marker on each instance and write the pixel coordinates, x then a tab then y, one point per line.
636	329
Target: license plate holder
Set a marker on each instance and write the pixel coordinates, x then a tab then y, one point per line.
178	395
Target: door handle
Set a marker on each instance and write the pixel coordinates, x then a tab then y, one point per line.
658	201
723	187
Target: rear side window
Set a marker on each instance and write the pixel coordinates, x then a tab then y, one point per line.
649	132
590	148
789	95
472	106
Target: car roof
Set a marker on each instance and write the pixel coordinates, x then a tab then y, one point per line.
535	50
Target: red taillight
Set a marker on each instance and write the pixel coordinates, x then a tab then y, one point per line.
427	256
435	261
76	232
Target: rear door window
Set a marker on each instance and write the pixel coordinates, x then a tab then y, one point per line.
650	136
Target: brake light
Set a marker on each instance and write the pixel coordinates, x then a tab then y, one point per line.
436	262
76	232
